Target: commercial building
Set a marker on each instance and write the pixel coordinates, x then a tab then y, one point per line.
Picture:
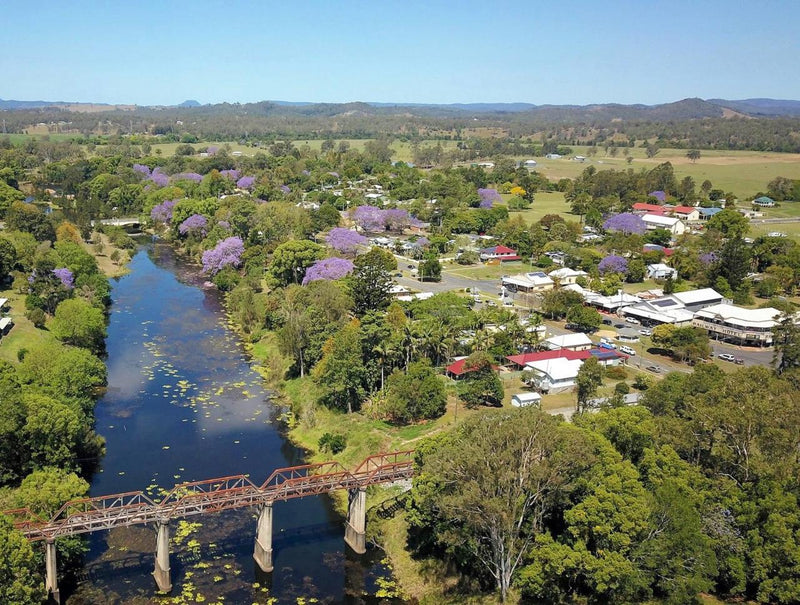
528	282
743	326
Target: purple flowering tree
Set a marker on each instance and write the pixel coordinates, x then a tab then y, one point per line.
488	197
227	253
708	258
369	218
197	223
423	242
246	182
212	150
613	264
188	176
396	219
224	224
329	269
345	240
231	174
162	213
159	177
285	188
627	223
142	169
65	276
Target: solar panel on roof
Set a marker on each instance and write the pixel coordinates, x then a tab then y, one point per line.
662	304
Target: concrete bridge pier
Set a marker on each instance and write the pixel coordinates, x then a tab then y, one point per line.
51	571
262	552
161	572
355	530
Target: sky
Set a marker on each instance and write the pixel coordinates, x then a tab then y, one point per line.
153	52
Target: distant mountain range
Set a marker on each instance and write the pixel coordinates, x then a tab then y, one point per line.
679	110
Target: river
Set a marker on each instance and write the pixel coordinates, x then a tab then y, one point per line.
184	403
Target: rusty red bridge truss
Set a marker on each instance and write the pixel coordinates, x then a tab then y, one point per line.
209	496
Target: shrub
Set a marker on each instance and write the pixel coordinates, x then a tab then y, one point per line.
616	373
622	388
332	443
641	382
37	317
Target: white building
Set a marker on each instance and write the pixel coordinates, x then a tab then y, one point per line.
615	302
566	276
521	400
694	300
740	325
571	342
660	311
656	221
661	271
527	282
555	375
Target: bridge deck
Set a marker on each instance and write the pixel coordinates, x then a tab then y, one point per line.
209	496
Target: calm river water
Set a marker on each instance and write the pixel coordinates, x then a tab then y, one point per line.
184	404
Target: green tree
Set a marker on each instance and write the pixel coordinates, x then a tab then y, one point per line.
62	370
53	432
8	259
483	491
584	318
786	340
20	569
291	259
589	379
416	394
556	303
693	155
481	385
430	269
12	419
370	283
730	223
340	372
78	323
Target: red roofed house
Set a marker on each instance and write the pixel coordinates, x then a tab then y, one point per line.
458	368
522	360
648	208
686	213
500	253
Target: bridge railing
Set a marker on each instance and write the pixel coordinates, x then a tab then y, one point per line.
86	515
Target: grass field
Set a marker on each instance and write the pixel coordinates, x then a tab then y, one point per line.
23	334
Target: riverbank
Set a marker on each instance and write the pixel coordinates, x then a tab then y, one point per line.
424	580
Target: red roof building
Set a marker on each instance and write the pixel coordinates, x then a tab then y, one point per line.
458	368
500	253
649	208
526	358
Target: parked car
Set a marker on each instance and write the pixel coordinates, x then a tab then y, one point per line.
627	350
739	361
653	369
619	326
508	303
646	332
632	320
726	357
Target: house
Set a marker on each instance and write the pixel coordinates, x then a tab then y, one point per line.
579	158
458	368
628	399
661	196
566	276
486	164
555	375
519	362
661	271
529	164
528	282
397	290
572	342
656	221
642	208
558	257
608	357
627	335
553	156
501	253
521	400
686	213
707	213
737	324
3	303
764	202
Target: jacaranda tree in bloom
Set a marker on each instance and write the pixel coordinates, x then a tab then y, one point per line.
142	169
188	176
246	182
196	223
65	276
328	268
285	189
370	218
345	240
488	197
162	213
613	264
231	174
709	258
159	177
627	223
396	219
227	253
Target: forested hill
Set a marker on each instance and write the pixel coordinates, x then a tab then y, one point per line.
754	124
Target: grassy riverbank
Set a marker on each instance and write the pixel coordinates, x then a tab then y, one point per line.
422	579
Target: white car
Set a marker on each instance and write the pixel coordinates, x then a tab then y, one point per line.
646	332
726	357
632	320
627	350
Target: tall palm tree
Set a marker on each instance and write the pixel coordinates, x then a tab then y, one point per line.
385	351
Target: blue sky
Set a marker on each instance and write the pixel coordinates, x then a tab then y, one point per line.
166	51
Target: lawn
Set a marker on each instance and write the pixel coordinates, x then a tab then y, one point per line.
545	202
790	229
491	271
23	334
